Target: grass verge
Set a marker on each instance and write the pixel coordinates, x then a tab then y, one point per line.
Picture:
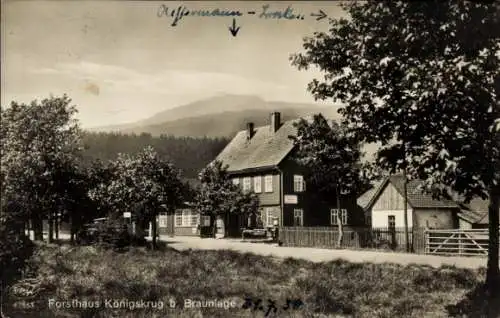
62	278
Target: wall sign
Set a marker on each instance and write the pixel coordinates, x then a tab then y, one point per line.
291	199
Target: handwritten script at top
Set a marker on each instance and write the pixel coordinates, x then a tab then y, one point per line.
265	13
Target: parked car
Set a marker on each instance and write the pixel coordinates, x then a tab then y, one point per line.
88	234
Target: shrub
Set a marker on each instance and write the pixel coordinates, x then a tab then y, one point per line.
15	250
114	234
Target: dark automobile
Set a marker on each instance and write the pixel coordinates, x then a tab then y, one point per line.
90	232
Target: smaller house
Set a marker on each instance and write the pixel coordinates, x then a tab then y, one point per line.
185	221
474	215
384	207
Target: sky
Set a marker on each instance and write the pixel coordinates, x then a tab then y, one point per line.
120	62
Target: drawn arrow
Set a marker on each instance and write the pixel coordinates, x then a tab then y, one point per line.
233	29
320	15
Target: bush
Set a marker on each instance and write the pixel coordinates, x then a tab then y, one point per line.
15	250
114	234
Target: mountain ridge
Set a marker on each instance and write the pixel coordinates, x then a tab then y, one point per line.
218	116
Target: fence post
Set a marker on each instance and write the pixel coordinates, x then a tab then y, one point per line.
427	242
460	244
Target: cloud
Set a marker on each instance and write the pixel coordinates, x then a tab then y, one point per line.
124	80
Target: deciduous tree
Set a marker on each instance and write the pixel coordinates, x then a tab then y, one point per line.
332	159
39	141
218	196
423	79
143	183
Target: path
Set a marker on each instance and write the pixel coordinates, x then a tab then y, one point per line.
321	255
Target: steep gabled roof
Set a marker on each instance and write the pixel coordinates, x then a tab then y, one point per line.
266	149
416	198
365	199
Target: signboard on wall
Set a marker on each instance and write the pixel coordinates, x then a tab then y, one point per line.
291	199
127	214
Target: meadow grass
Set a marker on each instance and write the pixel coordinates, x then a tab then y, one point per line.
330	289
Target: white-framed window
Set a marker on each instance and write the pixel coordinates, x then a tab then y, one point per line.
162	220
257	184
195	219
268	183
186	218
247	184
333	216
298	183
236	181
205	220
298	217
178	218
270	216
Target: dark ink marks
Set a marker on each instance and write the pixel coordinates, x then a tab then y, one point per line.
287	14
233	29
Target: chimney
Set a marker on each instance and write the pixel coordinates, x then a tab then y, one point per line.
250	131
275	121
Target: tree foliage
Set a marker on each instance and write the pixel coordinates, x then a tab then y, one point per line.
423	79
331	157
218	196
143	184
332	160
40	143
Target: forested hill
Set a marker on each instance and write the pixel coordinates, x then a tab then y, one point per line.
187	153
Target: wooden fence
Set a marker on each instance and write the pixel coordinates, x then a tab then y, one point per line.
458	242
355	238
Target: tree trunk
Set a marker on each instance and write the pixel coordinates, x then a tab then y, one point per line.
226	227
213	225
493	272
72	229
154	230
339	219
50	236
56	226
405	209
37	227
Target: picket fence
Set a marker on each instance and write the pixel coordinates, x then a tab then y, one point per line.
354	238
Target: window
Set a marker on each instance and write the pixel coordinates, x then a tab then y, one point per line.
236	181
391	221
162	220
298	183
186	218
333	216
257	184
298	217
205	220
247	184
178	218
269	217
195	219
268	183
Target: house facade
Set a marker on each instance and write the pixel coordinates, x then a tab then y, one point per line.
384	206
185	221
261	160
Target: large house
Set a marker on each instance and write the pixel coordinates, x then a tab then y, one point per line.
384	207
259	159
